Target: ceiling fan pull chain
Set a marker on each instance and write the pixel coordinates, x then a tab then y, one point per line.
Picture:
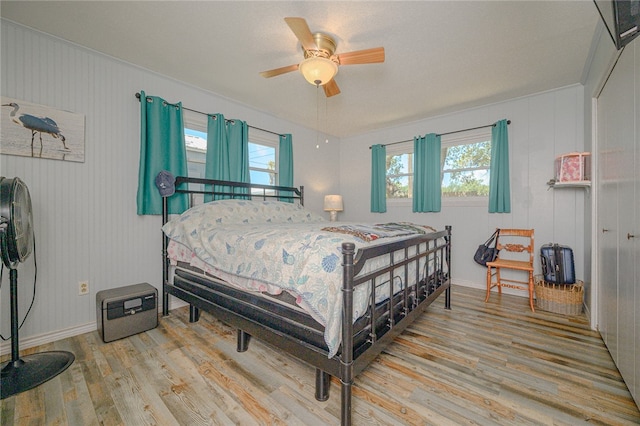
317	117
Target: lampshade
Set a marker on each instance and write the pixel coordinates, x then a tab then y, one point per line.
333	203
318	70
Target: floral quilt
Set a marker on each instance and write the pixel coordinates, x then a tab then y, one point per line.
276	243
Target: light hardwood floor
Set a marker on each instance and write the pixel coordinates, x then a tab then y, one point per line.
485	364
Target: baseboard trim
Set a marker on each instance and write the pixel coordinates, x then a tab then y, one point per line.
483	286
43	339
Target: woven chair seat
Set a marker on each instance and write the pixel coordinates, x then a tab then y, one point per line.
520	265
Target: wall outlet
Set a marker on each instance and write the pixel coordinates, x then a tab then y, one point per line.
83	288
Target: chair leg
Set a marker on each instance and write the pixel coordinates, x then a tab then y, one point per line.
488	284
531	291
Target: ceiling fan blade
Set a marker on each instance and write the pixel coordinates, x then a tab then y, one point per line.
301	30
331	88
367	56
278	71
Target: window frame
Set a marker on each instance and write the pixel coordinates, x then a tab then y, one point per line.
395	150
198	122
447	141
261	137
466	138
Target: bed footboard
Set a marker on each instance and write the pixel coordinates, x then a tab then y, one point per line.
415	298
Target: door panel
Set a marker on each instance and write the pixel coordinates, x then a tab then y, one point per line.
618	125
622	134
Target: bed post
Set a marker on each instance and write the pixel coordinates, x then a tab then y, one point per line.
447	293
346	359
165	260
323	382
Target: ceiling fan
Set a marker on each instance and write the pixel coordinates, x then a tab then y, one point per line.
320	64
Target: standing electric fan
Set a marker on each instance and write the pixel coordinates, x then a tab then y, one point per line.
16	242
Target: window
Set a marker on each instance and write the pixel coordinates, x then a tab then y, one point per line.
262	160
465	169
262	150
196	144
400	173
466	160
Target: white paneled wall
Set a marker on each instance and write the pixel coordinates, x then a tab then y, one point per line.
85	220
85	213
542	126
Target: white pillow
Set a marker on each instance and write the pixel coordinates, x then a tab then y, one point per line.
225	212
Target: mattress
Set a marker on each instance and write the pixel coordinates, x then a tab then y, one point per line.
291	318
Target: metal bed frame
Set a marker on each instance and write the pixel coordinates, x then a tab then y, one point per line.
400	309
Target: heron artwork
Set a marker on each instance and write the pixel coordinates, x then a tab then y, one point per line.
36	125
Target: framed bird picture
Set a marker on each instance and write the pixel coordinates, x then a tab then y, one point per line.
38	131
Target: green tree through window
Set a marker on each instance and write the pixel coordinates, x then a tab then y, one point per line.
399	175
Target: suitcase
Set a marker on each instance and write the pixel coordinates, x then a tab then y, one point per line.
557	264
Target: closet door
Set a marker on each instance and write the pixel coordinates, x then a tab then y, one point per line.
619	216
624	140
607	225
636	231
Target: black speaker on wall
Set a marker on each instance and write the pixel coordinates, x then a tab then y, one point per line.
622	19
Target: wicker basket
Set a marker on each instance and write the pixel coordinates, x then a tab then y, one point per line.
558	298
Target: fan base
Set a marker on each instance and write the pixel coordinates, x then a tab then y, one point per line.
32	370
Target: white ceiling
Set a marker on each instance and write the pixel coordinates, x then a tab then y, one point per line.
441	56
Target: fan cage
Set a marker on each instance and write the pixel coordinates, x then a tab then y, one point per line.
15	208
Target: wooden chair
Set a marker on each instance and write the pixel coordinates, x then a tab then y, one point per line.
514	246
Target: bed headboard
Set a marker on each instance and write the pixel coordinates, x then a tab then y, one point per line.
228	189
197	188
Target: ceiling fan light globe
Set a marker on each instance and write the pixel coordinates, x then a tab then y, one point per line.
318	70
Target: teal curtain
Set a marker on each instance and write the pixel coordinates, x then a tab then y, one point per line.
285	164
427	181
161	148
227	152
378	179
238	138
499	187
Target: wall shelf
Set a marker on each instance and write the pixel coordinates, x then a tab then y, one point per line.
572	184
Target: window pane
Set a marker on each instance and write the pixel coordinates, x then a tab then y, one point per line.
196	144
466	170
399	187
262	164
466	183
195	139
262	157
468	156
400	175
195	164
262	177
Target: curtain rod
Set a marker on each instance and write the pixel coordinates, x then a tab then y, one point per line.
204	113
447	133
